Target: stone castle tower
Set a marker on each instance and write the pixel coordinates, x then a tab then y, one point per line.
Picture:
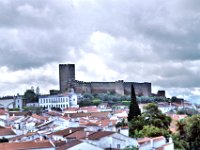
67	81
66	76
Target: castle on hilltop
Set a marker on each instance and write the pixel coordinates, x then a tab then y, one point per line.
67	81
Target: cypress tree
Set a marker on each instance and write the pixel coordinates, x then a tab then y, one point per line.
134	109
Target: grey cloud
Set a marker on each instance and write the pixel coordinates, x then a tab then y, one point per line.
150	37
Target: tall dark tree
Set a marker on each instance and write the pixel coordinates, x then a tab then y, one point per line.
134	109
30	96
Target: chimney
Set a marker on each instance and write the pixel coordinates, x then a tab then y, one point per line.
170	140
70	131
87	134
152	145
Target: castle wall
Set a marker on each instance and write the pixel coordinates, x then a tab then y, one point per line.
119	87
82	87
102	87
67	80
141	89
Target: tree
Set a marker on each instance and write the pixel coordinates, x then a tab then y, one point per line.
30	96
151	119
137	123
192	131
134	109
123	123
152	131
155	117
188	111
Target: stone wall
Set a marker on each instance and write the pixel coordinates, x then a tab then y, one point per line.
67	81
119	87
66	76
141	89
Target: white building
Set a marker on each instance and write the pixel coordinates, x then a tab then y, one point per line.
107	139
58	101
15	102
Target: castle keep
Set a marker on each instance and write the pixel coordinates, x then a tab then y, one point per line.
67	81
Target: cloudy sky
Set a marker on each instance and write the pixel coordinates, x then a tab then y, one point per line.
155	41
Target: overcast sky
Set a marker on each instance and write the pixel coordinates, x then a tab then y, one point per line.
155	41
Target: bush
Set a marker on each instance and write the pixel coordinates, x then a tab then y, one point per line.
14	109
127	103
96	102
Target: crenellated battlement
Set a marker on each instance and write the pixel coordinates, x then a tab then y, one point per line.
67	80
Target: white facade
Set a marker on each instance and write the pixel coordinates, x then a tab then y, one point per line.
85	146
58	101
115	140
154	143
15	102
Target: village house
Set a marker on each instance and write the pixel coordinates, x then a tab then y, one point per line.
31	145
156	143
58	101
108	139
78	145
7	132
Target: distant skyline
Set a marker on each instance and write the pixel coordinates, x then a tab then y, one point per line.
155	41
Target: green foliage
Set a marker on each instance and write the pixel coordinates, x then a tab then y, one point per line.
126	103
151	99
152	131
111	97
88	96
155	117
188	111
123	123
37	110
30	96
85	103
137	123
96	102
151	123
179	144
13	109
189	132
134	109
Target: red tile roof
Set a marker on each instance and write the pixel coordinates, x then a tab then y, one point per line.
39	117
67	131
25	145
78	135
6	131
69	145
99	135
53	113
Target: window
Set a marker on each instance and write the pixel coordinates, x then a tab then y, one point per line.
118	146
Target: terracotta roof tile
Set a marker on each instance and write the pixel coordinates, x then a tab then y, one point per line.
68	131
6	131
25	145
40	117
92	114
68	145
78	135
77	115
53	113
99	135
18	113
